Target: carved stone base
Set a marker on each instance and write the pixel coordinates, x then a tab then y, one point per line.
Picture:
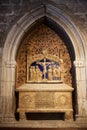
22	116
69	115
45	98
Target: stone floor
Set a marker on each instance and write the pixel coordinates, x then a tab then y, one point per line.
6	128
58	125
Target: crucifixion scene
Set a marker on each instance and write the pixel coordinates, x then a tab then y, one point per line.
44	70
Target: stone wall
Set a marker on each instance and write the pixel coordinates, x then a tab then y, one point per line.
12	10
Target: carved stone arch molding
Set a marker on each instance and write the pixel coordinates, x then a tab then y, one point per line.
18	31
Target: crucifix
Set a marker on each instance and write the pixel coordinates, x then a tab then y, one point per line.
44	64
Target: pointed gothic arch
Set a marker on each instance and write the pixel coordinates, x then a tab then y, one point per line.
18	31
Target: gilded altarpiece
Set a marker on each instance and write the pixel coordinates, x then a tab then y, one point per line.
43	80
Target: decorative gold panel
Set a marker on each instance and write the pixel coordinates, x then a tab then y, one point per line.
45	100
21	71
27	100
43	44
63	100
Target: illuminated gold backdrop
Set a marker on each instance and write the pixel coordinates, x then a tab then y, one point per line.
42	38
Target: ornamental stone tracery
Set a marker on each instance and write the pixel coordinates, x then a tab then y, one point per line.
42	41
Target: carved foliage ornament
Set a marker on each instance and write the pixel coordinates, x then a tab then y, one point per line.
43	52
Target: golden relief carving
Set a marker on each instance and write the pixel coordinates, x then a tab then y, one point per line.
27	100
44	69
45	99
21	66
43	44
63	99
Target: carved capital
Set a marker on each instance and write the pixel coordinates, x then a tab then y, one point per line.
10	64
79	63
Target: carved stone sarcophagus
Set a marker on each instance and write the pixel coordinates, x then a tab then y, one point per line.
45	98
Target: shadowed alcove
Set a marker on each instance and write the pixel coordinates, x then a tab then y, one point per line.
46	35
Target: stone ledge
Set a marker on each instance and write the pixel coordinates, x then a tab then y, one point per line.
45	124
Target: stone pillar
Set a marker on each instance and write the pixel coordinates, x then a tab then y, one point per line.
8	91
81	89
0	83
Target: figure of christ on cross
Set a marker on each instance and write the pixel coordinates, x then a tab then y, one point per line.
44	64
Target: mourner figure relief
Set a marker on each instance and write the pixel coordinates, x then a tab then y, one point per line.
44	70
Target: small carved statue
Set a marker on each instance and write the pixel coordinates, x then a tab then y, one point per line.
38	74
32	73
50	76
56	72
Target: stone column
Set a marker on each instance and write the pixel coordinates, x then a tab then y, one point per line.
0	83
81	89
8	91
